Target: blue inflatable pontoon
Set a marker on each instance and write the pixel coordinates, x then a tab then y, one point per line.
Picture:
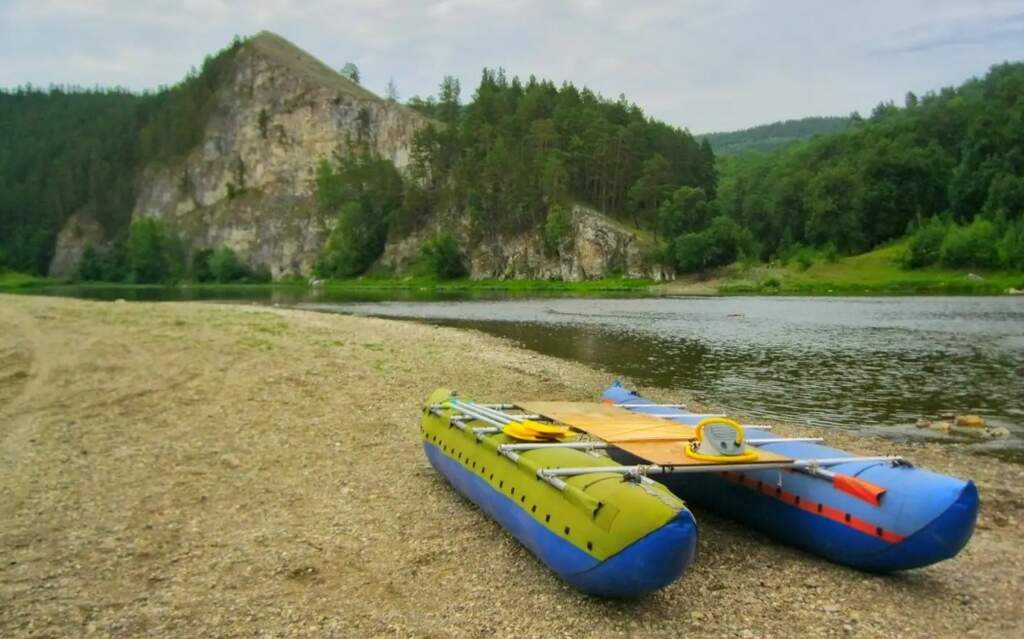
874	516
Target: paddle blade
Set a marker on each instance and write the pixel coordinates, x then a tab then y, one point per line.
863	490
547	430
516	431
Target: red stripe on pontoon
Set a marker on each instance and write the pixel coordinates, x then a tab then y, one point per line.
828	512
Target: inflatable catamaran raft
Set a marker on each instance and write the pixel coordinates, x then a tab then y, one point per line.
549	473
876	514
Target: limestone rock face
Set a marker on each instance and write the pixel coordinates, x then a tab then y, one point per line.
251	182
596	247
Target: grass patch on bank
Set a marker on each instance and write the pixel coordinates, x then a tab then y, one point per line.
10	280
876	272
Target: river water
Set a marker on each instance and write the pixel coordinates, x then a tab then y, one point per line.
874	364
859	363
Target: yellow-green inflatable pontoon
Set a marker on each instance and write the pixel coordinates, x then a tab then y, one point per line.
604	533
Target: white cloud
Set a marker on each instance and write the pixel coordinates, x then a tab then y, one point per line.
702	64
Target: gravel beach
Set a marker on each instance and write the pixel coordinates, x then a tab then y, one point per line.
180	469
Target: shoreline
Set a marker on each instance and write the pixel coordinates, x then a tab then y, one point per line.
676	288
191	468
820	280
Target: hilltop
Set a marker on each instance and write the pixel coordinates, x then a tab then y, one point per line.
302	64
770	137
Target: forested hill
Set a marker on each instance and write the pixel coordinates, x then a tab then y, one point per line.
504	175
951	161
520	148
769	137
264	139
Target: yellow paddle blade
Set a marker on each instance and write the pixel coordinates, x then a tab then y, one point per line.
517	431
547	430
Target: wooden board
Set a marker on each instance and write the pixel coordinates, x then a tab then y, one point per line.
656	440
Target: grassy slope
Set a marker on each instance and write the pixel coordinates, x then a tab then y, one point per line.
10	280
875	272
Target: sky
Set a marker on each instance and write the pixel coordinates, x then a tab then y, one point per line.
706	65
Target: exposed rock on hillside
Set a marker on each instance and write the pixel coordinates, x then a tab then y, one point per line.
250	184
596	247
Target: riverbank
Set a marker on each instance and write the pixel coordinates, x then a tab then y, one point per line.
193	469
875	273
14	281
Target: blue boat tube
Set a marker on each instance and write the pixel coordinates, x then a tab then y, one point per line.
921	517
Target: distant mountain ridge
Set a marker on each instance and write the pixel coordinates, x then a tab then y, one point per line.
769	137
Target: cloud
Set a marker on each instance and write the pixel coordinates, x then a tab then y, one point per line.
703	64
981	24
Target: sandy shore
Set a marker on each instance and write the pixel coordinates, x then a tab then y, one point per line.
196	470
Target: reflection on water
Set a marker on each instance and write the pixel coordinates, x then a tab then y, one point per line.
856	363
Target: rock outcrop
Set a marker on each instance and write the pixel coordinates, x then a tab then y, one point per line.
250	184
595	247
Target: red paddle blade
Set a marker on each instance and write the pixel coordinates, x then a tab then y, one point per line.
863	490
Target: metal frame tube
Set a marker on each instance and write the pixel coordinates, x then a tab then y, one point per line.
572	445
472	411
499	414
654	469
481	418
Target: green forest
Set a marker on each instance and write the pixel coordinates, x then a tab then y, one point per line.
513	158
69	149
946	167
519	148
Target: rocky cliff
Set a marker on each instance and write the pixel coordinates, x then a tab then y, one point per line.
249	183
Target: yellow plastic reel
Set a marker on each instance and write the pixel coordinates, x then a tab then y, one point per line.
692	452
